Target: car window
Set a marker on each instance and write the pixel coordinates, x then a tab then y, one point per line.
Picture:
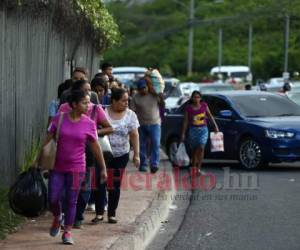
181	109
216	104
128	78
239	74
174	92
212	88
265	105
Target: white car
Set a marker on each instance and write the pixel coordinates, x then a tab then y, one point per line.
275	84
170	82
184	90
234	73
128	75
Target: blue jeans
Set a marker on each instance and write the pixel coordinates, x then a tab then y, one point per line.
151	134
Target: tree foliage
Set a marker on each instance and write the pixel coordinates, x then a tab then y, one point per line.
156	34
100	19
75	17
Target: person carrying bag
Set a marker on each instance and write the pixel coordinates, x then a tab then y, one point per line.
76	130
195	120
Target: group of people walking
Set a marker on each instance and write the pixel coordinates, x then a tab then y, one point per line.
84	112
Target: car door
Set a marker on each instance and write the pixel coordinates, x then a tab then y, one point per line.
226	125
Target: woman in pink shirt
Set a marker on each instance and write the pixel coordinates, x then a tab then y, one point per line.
97	114
195	120
69	170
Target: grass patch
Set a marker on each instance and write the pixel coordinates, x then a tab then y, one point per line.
9	221
31	154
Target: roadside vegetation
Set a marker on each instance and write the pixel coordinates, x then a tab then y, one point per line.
9	221
156	34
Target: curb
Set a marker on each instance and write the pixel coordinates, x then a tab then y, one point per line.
149	222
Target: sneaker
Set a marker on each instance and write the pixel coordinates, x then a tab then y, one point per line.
91	207
153	169
77	224
55	229
67	238
143	169
112	220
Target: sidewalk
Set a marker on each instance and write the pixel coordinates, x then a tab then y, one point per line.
139	215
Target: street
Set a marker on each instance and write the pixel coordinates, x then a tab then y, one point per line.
265	216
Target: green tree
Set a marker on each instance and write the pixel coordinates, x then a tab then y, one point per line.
156	33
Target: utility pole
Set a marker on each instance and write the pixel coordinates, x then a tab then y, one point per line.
220	49
191	38
286	43
250	45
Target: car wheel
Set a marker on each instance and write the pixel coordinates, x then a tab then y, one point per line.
172	149
250	154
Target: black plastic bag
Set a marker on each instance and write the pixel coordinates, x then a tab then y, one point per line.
28	196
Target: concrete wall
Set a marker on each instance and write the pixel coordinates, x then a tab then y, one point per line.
33	61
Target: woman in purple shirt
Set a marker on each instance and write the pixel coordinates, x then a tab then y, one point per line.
195	118
69	170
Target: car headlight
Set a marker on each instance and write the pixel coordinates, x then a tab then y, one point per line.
277	134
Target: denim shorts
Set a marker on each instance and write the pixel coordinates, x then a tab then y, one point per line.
197	136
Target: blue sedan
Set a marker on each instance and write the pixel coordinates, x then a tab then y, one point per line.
258	127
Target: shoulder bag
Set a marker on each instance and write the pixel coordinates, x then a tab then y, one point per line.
48	155
103	140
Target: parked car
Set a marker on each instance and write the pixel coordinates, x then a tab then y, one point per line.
275	84
214	87
236	74
172	97
184	90
170	83
128	75
259	127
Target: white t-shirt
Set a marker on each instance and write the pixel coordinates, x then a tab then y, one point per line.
119	139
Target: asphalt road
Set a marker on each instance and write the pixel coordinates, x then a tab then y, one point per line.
263	213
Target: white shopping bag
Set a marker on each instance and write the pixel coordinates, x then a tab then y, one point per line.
182	158
216	142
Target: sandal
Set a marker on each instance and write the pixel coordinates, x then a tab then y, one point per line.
199	172
97	219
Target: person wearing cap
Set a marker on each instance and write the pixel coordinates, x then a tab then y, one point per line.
146	103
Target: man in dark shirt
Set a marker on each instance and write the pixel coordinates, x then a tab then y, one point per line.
78	74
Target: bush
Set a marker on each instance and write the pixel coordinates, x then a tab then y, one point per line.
31	154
